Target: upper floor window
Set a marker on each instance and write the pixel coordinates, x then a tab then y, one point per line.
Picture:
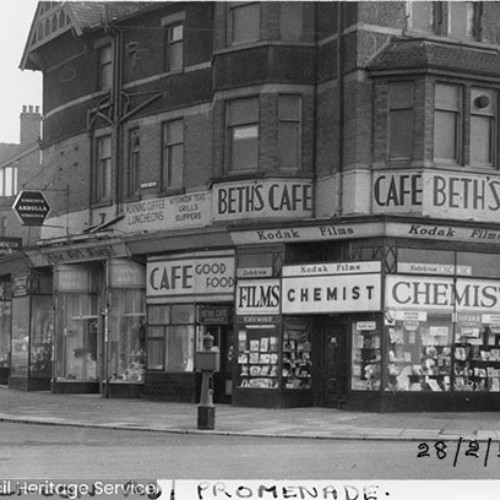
465	134
447	117
457	19
8	181
106	67
400	120
102	170
242	120
482	126
291	21
174	43
289	132
173	154
244	22
134	144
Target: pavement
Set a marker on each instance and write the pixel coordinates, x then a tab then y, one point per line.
93	410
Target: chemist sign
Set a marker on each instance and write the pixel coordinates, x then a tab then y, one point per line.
31	207
328	293
206	278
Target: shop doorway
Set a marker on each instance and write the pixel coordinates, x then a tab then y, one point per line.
333	376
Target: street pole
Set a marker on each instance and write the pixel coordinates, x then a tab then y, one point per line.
209	361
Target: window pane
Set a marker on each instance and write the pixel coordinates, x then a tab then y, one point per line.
401	138
421	15
176	33
445	135
291	21
246	23
289	145
243	111
447	97
182	314
401	95
105	68
8	181
480	139
175	56
175	132
158	315
244	148
461	19
155	354
179	355
289	107
175	162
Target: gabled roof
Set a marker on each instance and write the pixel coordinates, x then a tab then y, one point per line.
52	19
425	54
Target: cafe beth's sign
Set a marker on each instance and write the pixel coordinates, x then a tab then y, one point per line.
262	199
437	194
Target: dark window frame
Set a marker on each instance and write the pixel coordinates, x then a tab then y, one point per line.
249	125
170	146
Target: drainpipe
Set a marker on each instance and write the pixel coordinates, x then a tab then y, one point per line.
340	107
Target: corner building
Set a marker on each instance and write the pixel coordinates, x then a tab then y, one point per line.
314	183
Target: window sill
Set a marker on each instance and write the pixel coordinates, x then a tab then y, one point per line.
101	204
172	191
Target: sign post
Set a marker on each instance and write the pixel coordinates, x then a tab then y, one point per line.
31	207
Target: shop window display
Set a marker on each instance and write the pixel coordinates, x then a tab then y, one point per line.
5	322
477	360
171	337
20	336
78	315
258	358
296	370
127	346
366	358
42	334
419	356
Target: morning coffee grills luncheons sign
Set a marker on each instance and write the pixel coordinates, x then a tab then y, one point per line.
331	287
437	194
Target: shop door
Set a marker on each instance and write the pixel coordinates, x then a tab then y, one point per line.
333	377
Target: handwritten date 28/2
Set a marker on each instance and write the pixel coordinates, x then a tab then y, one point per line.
442	450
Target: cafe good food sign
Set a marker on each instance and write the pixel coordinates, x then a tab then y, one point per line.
191	276
437	194
266	198
338	287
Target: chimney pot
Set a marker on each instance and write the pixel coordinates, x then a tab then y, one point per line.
30	108
24	108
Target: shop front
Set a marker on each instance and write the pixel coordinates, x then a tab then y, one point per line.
389	314
32	331
188	295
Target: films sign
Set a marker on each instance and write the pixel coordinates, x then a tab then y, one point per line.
258	297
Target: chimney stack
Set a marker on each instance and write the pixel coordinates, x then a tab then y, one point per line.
31	121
